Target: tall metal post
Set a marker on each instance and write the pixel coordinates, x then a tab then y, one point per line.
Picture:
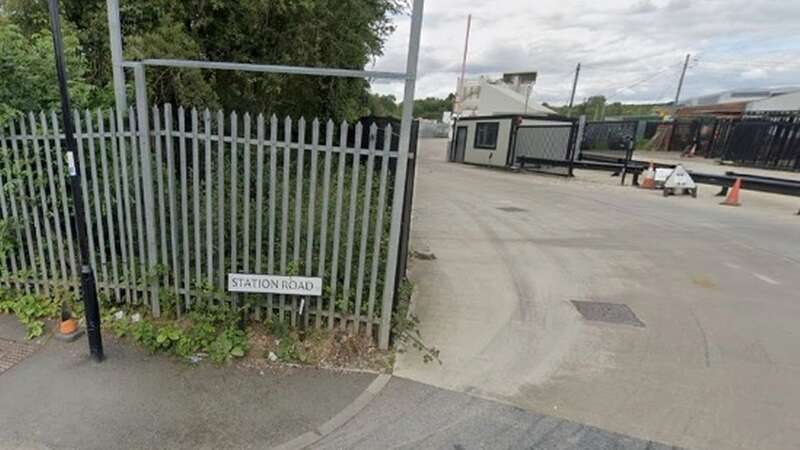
574	87
460	93
115	39
680	82
88	288
143	118
400	172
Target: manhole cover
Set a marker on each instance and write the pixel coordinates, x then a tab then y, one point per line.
12	352
511	209
607	312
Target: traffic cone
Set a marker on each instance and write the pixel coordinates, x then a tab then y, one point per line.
733	195
649	181
68	329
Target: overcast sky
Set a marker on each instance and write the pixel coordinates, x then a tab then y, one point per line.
630	50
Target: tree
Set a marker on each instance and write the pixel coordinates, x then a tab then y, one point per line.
316	33
28	77
432	107
383	106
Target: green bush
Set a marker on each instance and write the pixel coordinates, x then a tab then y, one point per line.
30	309
210	330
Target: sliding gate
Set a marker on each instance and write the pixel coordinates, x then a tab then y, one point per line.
546	148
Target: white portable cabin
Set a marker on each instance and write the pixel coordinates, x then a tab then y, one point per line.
488	140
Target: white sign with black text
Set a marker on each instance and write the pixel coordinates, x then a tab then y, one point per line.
274	284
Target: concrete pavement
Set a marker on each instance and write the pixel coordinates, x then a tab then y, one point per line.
56	398
411	415
716	364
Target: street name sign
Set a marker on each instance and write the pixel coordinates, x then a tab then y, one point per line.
274	284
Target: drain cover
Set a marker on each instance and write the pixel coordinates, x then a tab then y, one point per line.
510	209
607	312
12	352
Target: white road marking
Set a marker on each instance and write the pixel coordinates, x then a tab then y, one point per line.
766	279
733	266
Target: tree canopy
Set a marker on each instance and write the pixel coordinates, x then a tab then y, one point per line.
317	33
27	75
597	108
426	108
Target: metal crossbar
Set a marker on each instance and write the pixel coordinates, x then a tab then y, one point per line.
268	68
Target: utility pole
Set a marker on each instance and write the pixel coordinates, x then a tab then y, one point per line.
680	82
88	288
460	94
574	87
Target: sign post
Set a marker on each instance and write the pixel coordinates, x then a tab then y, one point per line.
88	288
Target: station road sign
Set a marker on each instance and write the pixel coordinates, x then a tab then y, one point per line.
274	284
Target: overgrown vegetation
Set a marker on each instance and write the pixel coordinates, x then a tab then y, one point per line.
207	330
31	309
325	33
28	75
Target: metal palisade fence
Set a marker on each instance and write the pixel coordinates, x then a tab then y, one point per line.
204	195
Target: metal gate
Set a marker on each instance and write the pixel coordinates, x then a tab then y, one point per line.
546	148
765	144
609	139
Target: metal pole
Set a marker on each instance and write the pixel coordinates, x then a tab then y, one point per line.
143	118
574	87
603	110
680	82
576	153
400	172
115	38
88	289
460	97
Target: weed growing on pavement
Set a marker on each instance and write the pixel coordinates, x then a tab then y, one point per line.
406	325
212	330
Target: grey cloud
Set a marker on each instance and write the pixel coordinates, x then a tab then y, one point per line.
677	5
618	44
643	7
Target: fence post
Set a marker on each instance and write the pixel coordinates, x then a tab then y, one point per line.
576	150
400	174
408	204
147	185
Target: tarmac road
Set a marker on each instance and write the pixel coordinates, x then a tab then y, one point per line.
716	363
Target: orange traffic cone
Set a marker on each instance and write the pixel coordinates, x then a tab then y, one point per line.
68	329
649	181
733	195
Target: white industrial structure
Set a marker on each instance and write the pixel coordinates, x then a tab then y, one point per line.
787	98
512	94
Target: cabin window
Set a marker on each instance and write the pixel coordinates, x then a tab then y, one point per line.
486	135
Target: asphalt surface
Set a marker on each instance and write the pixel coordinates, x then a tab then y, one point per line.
57	399
716	364
411	415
